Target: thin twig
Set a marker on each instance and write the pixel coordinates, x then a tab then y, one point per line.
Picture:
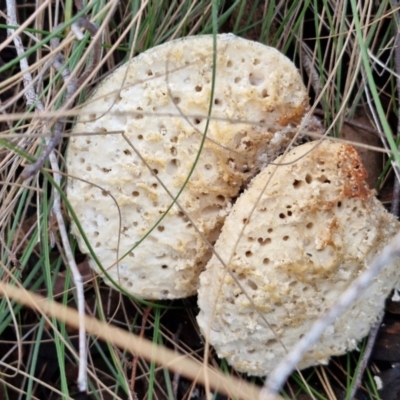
309	66
58	63
396	189
92	29
72	84
352	122
177	375
136	357
32	98
365	358
280	374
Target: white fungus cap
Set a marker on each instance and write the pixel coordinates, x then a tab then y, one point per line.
254	84
315	228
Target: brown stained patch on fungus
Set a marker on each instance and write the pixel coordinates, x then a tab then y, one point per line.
333	232
353	169
293	116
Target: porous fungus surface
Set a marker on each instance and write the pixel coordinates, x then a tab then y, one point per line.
118	199
315	228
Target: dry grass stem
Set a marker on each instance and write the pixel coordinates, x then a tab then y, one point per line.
183	365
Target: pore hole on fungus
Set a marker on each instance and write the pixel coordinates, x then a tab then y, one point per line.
309	225
217	102
197	121
135	193
248	253
256	78
251	284
229	64
324	179
264	94
282	216
266	261
209	210
308	178
176	100
127	152
198	88
285	238
263	241
297	184
237	79
160	228
173	166
164	266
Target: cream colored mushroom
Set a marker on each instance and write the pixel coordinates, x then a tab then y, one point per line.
314	229
255	84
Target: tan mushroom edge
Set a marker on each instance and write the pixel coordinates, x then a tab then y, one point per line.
255	84
315	229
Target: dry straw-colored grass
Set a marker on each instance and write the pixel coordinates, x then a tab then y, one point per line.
346	53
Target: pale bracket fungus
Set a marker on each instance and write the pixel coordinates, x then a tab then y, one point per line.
315	228
255	84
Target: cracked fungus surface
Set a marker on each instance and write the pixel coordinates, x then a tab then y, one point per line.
253	83
314	230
